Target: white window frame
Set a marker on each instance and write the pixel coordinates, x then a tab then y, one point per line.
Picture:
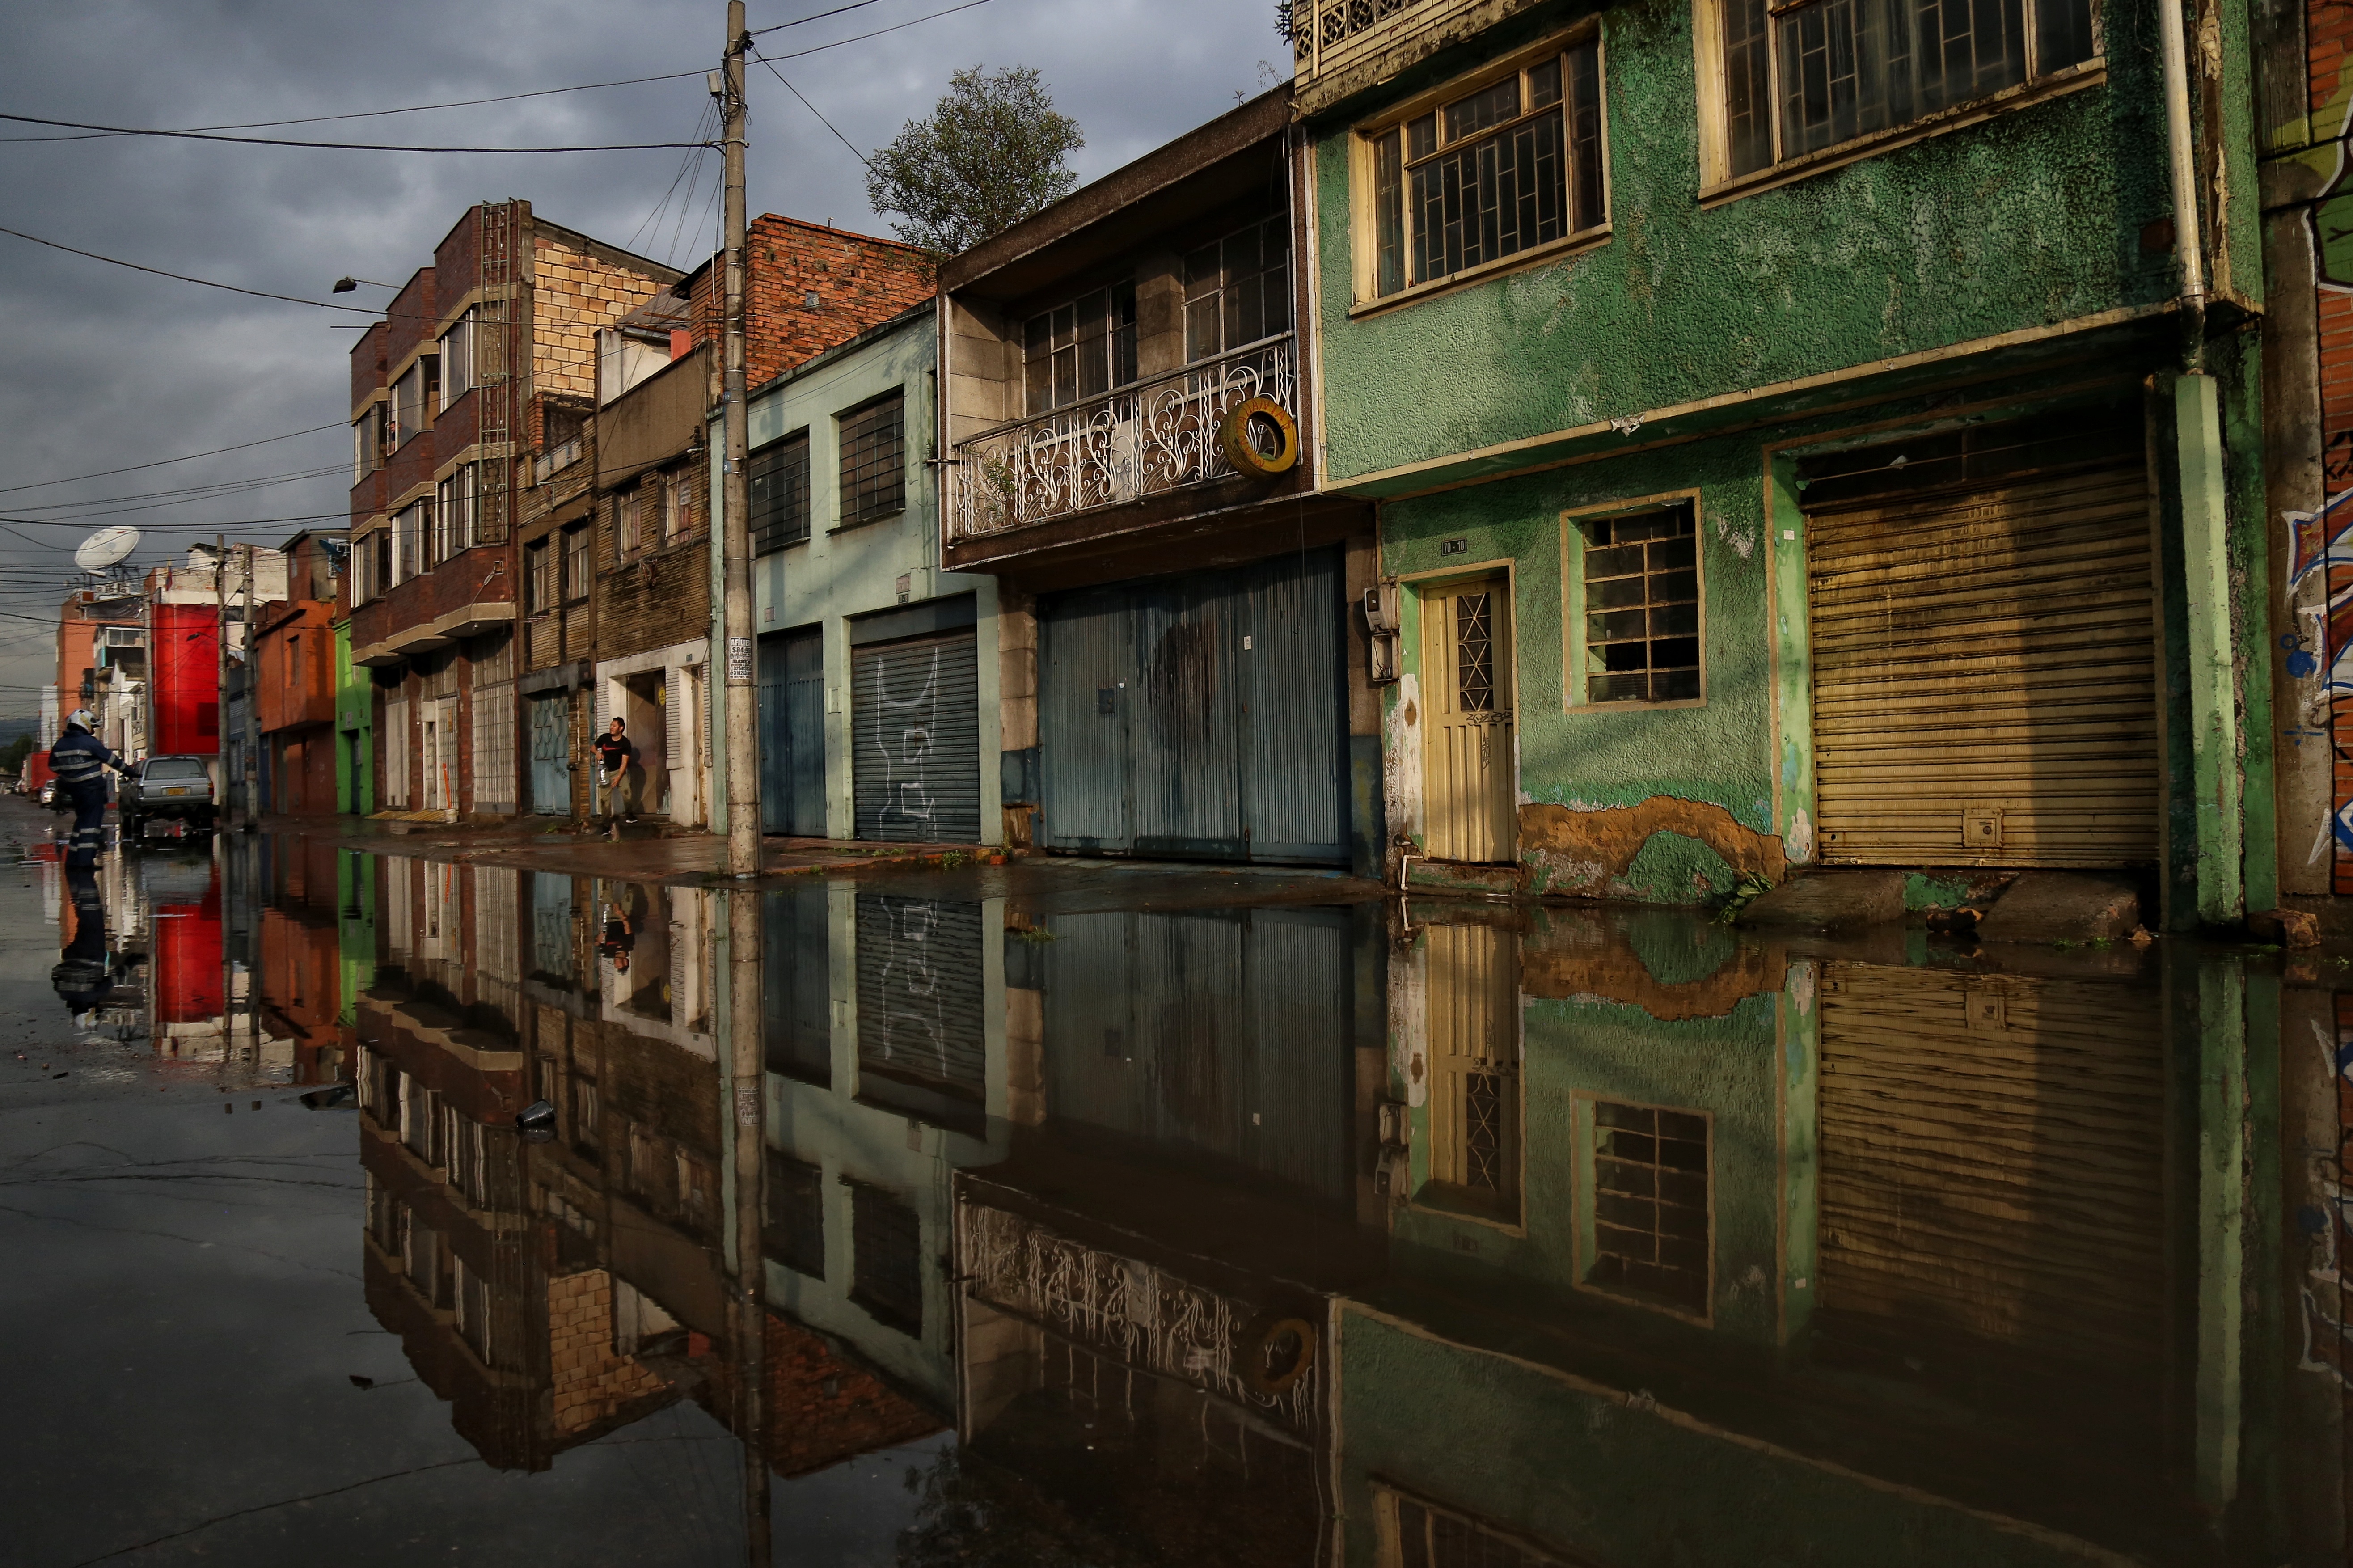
458	365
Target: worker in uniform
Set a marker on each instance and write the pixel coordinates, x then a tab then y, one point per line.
80	761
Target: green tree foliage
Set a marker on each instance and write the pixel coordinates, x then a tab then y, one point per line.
992	152
13	755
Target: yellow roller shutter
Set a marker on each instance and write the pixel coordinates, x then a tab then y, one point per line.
1985	675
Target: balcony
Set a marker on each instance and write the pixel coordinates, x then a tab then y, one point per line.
1341	47
1143	440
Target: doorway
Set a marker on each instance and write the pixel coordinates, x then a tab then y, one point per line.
1470	773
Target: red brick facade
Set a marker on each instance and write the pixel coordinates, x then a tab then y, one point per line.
811	287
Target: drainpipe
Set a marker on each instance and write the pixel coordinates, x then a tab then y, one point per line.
2205	527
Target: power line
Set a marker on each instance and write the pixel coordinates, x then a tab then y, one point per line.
219	487
346	146
183	278
877	32
813	108
374	114
160	462
819	16
198	527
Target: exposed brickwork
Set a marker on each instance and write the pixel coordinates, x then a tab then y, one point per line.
822	1406
589	1381
574	294
858	281
658	595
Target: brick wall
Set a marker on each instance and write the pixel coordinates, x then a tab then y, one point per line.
660	596
574	294
590	1383
822	1405
857	280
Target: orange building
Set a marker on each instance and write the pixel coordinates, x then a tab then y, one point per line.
294	639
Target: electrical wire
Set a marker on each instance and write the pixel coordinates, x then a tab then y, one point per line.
198	527
371	113
183	278
819	16
813	108
347	146
160	462
877	32
222	487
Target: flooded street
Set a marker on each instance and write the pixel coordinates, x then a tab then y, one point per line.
1071	1213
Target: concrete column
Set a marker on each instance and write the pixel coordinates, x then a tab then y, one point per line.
2213	712
2220	1048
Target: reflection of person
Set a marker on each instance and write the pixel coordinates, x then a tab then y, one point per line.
80	760
617	765
82	977
620	937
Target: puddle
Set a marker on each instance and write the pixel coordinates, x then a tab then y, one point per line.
989	1217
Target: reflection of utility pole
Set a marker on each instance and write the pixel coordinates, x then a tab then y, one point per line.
747	1068
251	740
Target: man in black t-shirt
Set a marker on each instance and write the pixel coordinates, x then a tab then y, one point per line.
616	771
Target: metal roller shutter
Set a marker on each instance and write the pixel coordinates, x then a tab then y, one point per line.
1993	1193
1985	670
916	731
923	1042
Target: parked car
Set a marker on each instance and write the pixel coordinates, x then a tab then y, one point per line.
162	792
49	795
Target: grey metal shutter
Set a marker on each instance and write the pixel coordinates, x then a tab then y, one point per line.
916	731
1086	686
923	1043
1294	777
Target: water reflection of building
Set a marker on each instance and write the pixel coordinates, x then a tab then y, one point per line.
298	978
1701	1252
1148	1272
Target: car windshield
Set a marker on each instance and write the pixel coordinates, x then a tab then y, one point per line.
173	768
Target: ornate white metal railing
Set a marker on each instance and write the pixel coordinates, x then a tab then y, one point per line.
1139	441
1127	1311
1319	28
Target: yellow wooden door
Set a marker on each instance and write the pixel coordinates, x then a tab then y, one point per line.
1473	992
1470	773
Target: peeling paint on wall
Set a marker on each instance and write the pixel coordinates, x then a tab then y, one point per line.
1581	854
1401	758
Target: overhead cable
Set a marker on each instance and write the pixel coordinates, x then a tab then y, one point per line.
813	108
818	16
820	48
160	462
206	282
346	146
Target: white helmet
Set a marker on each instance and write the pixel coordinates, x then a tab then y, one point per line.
79	718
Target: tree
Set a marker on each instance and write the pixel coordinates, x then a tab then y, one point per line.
991	152
13	755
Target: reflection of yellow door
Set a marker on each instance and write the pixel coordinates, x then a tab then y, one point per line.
1469	775
1473	992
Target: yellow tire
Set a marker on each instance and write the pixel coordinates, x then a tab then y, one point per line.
1274	1352
1259	437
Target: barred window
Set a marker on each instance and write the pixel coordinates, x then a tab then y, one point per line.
1801	77
1642	607
887	1266
1429	1536
1650	1214
794	1235
780	493
874	461
1515	164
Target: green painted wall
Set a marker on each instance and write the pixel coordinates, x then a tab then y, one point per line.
2030	218
354	729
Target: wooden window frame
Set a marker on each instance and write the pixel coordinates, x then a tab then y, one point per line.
1364	177
578	571
1573	645
1215	295
1718	183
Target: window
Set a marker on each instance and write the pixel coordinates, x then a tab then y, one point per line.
780	493
1237	290
457	360
367	442
887	1265
410	526
456	518
1799	78
874	461
1079	350
1496	171
412	402
677	508
1642	607
1426	1536
1651	1229
795	1234
578	561
624	525
538	564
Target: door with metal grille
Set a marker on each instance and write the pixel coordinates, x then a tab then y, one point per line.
792	732
551	752
1985	667
1470	782
915	774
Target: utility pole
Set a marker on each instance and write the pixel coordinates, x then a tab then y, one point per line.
220	659
252	737
742	713
747	1055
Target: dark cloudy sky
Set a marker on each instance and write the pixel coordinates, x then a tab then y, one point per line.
101	368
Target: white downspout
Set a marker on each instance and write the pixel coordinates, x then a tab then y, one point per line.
2181	165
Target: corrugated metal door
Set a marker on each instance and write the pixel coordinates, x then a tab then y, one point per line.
792	732
551	752
1985	675
1086	679
922	1046
916	772
1993	1187
1200	716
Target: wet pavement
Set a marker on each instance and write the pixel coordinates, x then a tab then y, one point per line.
1070	1214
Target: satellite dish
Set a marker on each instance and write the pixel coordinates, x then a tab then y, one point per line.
107	547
